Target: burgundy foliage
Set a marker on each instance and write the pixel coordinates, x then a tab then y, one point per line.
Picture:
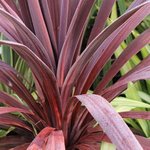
48	35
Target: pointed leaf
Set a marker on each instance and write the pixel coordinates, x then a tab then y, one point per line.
136	115
11	101
44	76
140	72
77	68
7	119
107	48
55	141
133	48
112	124
74	32
40	140
13	141
4	110
40	27
12	25
101	18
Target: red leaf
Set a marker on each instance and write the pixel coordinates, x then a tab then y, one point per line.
11	101
54	9
74	32
110	121
13	141
135	3
72	8
63	22
49	23
40	140
141	71
10	77
144	142
4	110
101	18
40	28
8	7
77	68
45	77
7	119
55	141
21	147
133	48
12	26
136	115
26	17
107	48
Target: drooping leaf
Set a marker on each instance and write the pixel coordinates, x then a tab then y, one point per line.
41	71
114	127
23	35
11	101
56	141
40	140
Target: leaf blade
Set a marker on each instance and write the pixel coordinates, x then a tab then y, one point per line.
114	127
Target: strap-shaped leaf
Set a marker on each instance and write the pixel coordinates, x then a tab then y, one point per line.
40	27
11	101
63	22
10	77
39	141
9	9
25	15
9	142
77	68
140	72
136	3
8	119
21	147
136	114
72	38
110	121
55	141
49	24
101	18
44	76
133	48
4	110
107	48
12	26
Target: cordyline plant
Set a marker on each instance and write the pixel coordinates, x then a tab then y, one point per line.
48	35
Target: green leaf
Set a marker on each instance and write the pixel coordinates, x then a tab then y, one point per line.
122	101
3	133
144	96
122	6
107	146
